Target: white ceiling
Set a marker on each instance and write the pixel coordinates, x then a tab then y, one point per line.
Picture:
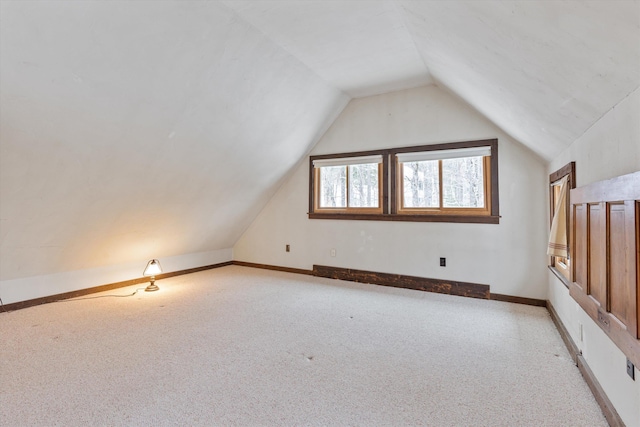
542	71
360	47
131	130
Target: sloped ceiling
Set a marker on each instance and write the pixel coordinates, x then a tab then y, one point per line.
544	71
131	130
360	47
134	130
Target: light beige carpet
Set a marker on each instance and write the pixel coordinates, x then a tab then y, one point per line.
245	347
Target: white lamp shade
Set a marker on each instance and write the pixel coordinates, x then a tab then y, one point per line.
153	268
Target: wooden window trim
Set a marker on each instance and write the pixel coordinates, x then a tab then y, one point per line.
347	209
484	211
390	203
569	170
469	219
312	182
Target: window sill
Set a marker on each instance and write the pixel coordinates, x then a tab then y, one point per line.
472	219
559	275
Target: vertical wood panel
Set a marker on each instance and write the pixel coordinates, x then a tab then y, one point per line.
606	258
597	253
580	247
621	268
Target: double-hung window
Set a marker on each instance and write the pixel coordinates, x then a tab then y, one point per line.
453	182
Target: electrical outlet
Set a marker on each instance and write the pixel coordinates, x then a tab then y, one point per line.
443	262
631	370
288	248
332	252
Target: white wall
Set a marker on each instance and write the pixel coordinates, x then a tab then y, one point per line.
611	147
24	289
111	150
508	256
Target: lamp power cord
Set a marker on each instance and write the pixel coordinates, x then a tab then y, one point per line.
83	298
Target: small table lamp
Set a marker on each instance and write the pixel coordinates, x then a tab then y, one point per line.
153	268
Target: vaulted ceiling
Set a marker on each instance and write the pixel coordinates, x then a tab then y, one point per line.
131	130
542	71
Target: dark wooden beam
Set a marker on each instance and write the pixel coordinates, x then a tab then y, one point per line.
441	286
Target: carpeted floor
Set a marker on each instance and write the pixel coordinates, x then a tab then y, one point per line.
244	347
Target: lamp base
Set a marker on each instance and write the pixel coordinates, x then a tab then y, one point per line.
152	287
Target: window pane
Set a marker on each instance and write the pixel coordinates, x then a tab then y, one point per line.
560	263
462	183
420	184
333	187
363	186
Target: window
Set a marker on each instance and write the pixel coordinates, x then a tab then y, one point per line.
444	181
456	182
560	184
351	184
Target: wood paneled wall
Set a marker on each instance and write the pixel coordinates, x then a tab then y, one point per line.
605	252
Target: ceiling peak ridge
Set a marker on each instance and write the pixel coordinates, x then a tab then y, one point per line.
239	17
402	15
